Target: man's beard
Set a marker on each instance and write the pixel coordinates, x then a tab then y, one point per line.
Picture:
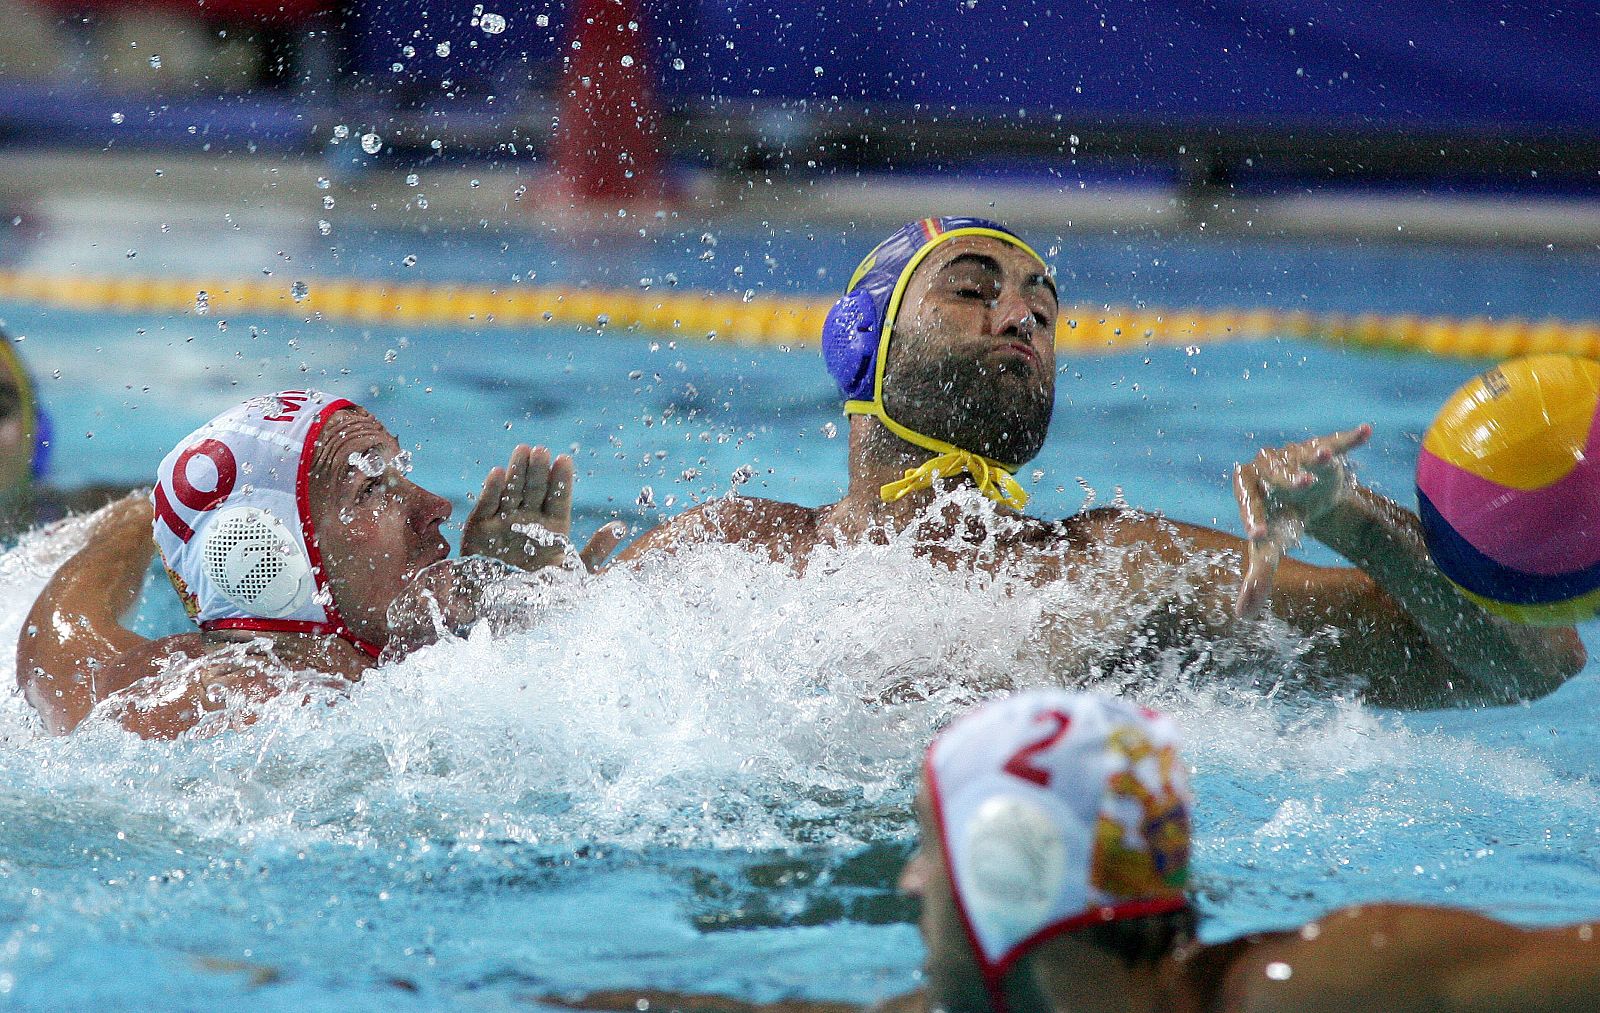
1000	412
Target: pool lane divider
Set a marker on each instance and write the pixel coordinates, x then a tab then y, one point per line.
770	319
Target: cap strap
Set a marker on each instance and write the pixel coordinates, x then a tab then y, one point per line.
991	479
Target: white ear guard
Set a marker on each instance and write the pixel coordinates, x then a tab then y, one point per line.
254	561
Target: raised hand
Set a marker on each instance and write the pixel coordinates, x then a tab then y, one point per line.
524	515
1280	492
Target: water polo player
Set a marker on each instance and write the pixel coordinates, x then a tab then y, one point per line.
1053	874
944	350
25	498
288	526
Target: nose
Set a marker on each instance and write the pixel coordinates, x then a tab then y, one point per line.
1012	316
428	510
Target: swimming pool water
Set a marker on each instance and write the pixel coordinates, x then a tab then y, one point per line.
677	777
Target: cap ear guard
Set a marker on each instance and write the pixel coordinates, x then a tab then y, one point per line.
850	344
253	560
1016	861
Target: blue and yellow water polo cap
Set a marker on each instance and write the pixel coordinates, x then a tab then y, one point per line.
855	345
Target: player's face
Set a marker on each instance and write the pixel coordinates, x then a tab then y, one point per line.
375	527
16	433
954	981
972	360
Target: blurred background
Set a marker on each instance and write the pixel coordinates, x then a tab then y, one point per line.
1476	119
382	190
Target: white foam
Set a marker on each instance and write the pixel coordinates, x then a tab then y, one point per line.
707	699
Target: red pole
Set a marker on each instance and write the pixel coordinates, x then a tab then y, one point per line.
608	144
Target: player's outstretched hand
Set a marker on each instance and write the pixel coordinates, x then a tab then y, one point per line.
1281	491
524	515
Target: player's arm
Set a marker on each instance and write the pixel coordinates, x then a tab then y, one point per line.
729	520
72	645
1401	621
1406	958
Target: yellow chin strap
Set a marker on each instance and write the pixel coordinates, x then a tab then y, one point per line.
993	478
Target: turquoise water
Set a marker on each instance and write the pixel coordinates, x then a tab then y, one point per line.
675	777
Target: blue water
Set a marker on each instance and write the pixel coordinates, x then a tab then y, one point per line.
671	779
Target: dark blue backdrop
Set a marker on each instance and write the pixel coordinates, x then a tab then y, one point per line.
1449	64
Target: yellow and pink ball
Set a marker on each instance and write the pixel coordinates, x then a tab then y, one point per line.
1508	489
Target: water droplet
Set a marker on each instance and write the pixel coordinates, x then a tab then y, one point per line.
442	49
396	67
492	24
817	71
340	132
742	474
422	203
543	21
830	430
677	63
327	201
371	143
412	179
749	294
323	182
131	254
626	61
436	144
298	291
1279	971
410	260
408	51
475	184
647	498
324	226
155	61
222	325
202	303
117	117
390	355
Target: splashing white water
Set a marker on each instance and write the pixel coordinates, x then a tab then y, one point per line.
710	698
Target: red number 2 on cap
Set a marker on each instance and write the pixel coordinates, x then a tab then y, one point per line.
222	459
1021	762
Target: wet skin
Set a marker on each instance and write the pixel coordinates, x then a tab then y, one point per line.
974	350
375	533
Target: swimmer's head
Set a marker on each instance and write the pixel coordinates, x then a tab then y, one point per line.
1044	815
24	426
292	513
971	310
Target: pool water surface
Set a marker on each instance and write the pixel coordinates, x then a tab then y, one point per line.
682	776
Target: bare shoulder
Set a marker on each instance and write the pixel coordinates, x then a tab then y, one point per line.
730	520
1410	957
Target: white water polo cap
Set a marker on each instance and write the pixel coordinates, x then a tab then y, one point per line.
1058	810
233	519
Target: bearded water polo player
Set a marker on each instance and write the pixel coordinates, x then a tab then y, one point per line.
1053	873
288	527
944	350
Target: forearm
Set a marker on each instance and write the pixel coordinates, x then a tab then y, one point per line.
1506	660
73	633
